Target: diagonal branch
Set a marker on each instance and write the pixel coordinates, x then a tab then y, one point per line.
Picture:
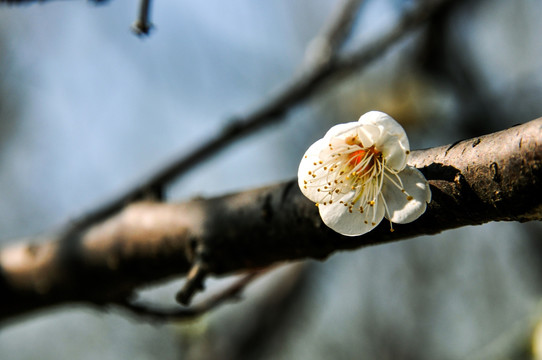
325	47
299	89
497	177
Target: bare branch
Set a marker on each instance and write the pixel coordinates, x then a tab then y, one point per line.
497	177
231	293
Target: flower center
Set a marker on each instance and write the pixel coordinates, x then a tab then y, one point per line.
358	156
347	167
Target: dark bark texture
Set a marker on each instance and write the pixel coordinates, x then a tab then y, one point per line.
497	177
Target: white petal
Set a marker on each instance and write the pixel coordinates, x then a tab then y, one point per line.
307	164
402	210
341	130
369	134
394	153
327	151
387	123
338	218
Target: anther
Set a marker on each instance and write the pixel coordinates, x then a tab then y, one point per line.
409	198
350	140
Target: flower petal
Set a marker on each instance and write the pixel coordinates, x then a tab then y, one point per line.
341	130
405	207
387	123
394	153
390	138
369	134
307	165
354	223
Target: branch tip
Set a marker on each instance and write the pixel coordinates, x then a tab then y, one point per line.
194	282
142	26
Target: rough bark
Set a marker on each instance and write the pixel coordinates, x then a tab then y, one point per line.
497	177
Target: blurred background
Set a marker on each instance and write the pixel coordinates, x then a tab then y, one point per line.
87	109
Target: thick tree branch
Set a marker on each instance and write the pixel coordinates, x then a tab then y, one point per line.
497	177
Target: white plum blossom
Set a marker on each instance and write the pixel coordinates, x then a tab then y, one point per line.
357	175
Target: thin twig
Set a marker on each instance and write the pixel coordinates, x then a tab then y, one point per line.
142	25
231	293
194	282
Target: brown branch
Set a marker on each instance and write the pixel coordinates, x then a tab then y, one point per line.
497	177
